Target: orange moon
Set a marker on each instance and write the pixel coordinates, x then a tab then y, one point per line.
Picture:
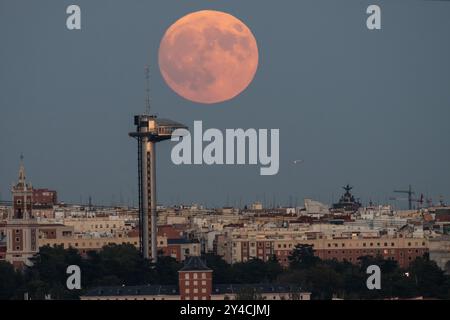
208	57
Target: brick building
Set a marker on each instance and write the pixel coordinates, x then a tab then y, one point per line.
43	198
21	226
402	249
172	242
195	280
171	231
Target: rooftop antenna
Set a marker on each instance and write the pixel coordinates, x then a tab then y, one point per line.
147	90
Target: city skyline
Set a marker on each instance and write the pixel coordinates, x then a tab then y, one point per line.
67	100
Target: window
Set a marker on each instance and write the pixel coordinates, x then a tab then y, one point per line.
195	275
186	283
188	291
195	290
203	275
186	276
203	283
195	283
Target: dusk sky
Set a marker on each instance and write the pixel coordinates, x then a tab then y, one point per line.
368	108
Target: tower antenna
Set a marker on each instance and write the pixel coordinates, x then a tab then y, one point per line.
147	90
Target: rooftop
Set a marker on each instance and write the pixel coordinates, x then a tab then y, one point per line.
195	264
149	290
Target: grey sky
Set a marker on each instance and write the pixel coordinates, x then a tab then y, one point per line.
367	108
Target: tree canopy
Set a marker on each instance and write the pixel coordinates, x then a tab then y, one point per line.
123	265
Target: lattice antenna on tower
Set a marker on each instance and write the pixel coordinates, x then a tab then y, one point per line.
147	90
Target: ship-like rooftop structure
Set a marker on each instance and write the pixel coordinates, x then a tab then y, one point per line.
347	202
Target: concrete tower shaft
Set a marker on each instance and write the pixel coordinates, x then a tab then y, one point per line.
149	131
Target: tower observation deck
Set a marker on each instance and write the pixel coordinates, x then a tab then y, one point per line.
149	131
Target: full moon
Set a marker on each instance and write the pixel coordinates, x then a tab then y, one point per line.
208	57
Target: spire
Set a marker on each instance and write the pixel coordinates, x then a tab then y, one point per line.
21	171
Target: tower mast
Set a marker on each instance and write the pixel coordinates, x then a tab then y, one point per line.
147	90
149	131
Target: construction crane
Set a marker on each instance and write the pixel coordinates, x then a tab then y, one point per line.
410	194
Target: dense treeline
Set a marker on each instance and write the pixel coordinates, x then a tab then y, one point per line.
122	265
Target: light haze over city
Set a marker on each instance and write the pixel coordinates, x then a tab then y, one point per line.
366	108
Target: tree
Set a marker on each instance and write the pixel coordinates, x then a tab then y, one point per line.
273	269
303	257
248	293
447	267
252	271
167	270
323	281
9	280
429	278
222	270
125	262
48	275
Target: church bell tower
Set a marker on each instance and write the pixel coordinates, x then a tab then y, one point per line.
21	226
